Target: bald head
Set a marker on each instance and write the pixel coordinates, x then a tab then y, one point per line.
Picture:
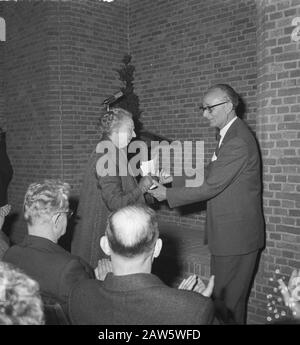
132	230
224	91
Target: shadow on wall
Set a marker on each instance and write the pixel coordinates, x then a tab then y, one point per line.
66	239
241	108
8	225
167	266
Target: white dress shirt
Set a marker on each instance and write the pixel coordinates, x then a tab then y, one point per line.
223	131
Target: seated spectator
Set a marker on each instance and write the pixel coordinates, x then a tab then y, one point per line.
291	293
46	208
4	243
20	302
131	294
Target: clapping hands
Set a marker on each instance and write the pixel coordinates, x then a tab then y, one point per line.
291	293
194	283
4	211
104	267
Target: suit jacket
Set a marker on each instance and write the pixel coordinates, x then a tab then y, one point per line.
55	269
136	299
99	196
232	186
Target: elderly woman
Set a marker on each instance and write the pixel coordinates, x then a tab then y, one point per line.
106	190
20	301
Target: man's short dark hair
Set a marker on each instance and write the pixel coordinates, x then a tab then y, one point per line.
136	237
232	95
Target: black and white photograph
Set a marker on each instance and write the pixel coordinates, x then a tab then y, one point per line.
150	168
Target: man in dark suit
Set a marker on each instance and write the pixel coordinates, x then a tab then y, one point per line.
232	188
131	294
46	208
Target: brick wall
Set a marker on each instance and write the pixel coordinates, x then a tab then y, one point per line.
180	48
60	59
59	63
26	80
278	131
87	46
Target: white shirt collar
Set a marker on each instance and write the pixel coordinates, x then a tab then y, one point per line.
224	130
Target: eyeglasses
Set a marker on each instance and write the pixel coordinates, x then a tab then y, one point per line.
69	213
210	107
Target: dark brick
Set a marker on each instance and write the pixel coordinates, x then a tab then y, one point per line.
46	82
287	229
294	213
275	236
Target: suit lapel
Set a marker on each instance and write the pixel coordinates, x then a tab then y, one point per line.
231	133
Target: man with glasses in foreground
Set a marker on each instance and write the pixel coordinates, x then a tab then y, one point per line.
46	209
232	188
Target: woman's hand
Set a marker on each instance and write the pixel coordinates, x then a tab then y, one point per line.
145	183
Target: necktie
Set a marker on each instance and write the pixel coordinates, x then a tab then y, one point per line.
218	137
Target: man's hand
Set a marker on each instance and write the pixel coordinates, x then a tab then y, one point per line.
104	267
291	293
164	177
159	193
145	183
194	283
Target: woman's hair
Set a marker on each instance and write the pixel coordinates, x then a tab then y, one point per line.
20	301
45	198
111	120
